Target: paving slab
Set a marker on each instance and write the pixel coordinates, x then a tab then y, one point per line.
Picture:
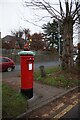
42	93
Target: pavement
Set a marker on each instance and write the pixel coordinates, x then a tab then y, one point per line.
42	94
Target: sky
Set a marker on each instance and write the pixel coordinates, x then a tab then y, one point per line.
15	16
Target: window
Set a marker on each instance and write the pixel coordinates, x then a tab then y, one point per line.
5	60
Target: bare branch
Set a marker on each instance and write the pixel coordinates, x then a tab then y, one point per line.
61	10
50	11
54	10
32	23
50	8
67	8
76	10
78	13
70	7
76	18
41	19
43	5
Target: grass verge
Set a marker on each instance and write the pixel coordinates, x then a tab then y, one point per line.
13	103
57	77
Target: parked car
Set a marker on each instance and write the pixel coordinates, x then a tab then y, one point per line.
6	64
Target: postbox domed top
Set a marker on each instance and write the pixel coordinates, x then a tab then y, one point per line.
26	53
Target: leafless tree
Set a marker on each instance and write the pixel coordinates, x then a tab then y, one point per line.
67	16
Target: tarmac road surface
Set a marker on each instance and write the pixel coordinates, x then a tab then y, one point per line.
16	71
73	113
46	64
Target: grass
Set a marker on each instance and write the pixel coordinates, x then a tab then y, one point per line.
56	77
13	103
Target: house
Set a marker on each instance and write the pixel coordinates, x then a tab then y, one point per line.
11	42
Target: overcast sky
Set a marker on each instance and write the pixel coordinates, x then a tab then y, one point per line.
13	15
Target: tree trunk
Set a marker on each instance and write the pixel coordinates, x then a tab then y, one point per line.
67	55
78	59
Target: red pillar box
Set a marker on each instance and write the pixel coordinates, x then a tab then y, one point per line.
27	67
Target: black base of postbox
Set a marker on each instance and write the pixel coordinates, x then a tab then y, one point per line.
27	92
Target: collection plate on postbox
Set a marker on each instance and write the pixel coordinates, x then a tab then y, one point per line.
30	66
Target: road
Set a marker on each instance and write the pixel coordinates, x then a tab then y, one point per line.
16	71
73	113
37	65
